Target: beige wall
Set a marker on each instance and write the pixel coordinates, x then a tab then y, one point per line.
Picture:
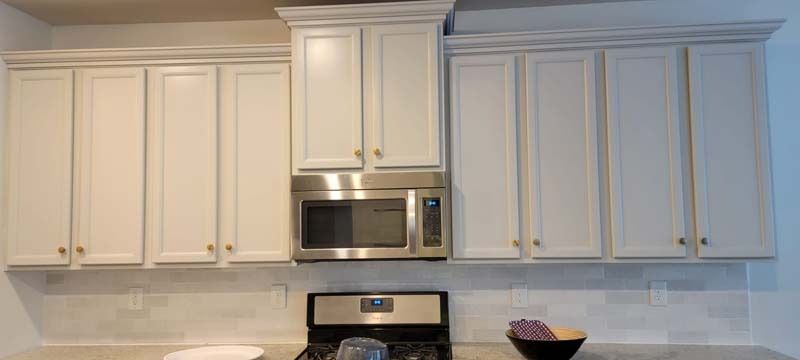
170	34
21	295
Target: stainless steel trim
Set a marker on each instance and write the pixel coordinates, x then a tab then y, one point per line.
397	180
408	309
298	253
411	222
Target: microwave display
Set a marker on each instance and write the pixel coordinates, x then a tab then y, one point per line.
431	222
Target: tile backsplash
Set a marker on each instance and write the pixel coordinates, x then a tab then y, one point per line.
708	303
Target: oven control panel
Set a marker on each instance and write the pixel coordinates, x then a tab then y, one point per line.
432	222
377	305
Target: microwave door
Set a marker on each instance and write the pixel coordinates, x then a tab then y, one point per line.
355	225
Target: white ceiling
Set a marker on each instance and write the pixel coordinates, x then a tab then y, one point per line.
85	12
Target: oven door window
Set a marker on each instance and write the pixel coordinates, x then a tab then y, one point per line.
354	224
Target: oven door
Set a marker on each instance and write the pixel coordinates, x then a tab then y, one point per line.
354	224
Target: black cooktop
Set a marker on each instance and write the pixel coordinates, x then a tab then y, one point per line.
409	351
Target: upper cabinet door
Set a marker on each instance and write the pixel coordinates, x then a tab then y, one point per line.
40	167
645	153
326	98
562	145
730	142
484	140
182	164
405	95
255	162
110	134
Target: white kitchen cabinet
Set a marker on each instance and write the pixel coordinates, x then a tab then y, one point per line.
730	142
110	138
255	168
484	156
366	86
182	164
563	155
40	167
405	94
327	98
644	147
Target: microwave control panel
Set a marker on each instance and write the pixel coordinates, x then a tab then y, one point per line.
432	222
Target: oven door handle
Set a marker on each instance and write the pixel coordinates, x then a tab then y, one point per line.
411	222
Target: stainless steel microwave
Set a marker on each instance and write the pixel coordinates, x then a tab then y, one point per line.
369	216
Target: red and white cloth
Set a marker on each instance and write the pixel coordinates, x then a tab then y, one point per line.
531	330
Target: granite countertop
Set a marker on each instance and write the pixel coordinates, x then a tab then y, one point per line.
460	352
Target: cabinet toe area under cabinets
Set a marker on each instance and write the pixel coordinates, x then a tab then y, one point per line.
622	146
166	165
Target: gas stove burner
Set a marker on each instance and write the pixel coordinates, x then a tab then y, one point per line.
322	352
414	352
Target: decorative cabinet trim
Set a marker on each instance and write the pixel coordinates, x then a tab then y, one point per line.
366	14
147	56
759	30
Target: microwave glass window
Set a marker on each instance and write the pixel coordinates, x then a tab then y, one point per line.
354	224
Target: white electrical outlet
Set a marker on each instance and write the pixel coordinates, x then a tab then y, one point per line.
135	298
277	296
658	293
519	295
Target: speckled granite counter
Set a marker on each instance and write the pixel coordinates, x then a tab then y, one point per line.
461	352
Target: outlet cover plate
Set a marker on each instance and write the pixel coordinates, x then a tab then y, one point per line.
277	296
135	298
658	293
519	296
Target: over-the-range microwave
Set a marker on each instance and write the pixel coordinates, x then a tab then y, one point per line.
369	216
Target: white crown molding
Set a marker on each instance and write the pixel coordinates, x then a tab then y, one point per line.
359	14
760	30
148	56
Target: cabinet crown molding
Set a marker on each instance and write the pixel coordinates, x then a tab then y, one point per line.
741	31
359	14
148	56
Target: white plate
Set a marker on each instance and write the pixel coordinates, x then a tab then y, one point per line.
218	353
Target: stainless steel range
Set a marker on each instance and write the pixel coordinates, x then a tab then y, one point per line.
414	325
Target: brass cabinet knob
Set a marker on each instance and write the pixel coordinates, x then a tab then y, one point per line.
62	250
537	242
704	241
682	241
357	152
79	249
377	151
210	247
515	243
228	247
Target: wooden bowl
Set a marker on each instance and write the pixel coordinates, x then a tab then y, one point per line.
567	345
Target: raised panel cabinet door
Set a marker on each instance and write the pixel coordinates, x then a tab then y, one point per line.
326	99
563	155
406	112
255	162
644	148
730	142
110	134
40	167
182	164
484	146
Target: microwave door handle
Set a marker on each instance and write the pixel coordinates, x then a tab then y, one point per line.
411	222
